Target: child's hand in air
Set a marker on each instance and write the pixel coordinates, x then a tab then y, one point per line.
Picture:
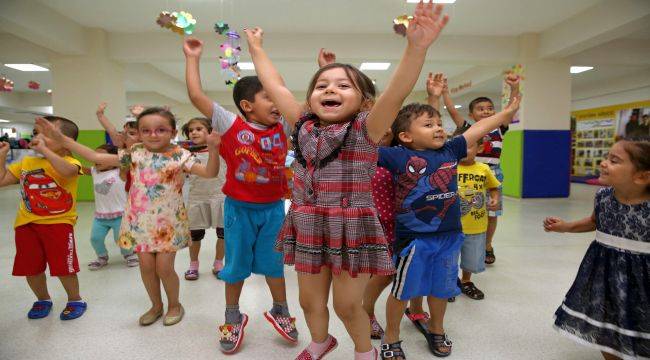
326	57
513	80
4	148
445	86
512	108
38	143
435	84
49	129
426	25
213	140
136	109
101	108
192	47
254	37
555	224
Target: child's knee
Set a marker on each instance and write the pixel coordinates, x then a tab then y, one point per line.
345	308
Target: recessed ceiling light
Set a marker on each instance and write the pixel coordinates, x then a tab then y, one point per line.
246	65
4	121
374	66
579	69
434	1
27	67
49	91
458	106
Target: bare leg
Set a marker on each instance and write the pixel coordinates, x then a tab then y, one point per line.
313	292
195	248
169	278
609	356
375	287
492	228
467	277
38	284
220	251
278	289
348	297
233	292
437	308
151	281
71	285
394	313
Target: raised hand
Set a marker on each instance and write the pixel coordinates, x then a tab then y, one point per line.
445	86
4	149
426	25
192	47
38	143
136	109
49	129
254	37
213	140
513	106
555	224
326	57
101	108
435	84
513	80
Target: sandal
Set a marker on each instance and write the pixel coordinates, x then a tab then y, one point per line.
489	257
437	342
73	310
472	291
451	299
306	355
40	309
191	275
376	331
392	351
232	335
416	318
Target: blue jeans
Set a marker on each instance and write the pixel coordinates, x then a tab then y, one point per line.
100	229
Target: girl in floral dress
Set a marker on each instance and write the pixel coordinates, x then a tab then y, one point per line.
155	222
332	233
607	307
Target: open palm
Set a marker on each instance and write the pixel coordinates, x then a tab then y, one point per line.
426	25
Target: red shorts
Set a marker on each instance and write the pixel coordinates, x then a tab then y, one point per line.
38	245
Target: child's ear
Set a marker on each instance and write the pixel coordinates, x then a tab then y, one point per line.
366	105
404	137
246	105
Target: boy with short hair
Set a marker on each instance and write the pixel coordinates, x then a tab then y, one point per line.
429	233
44	232
479	109
255	149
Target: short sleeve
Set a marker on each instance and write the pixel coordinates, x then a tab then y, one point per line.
189	160
222	119
491	181
389	158
458	146
15	168
74	162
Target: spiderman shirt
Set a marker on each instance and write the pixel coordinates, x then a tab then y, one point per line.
426	189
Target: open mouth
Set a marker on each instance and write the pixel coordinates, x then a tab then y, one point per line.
275	114
330	104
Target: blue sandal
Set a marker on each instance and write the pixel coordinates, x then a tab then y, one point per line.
73	310
40	309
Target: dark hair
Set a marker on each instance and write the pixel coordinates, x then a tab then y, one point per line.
185	129
478	100
68	127
462	129
131	125
638	148
111	149
360	81
245	89
158	111
407	114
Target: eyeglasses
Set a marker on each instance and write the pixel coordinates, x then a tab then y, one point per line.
157	132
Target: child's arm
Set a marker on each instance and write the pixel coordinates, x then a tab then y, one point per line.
483	127
6	177
421	33
494	199
59	164
434	90
85	152
513	81
451	108
115	136
211	169
555	224
271	80
192	48
325	57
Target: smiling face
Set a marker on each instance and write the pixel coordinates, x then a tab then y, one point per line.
197	132
424	132
335	97
482	110
618	170
261	110
156	132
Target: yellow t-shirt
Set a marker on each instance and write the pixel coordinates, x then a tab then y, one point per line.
473	182
48	198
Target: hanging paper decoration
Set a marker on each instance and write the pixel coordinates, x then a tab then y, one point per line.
33	85
401	23
6	85
231	50
221	27
182	23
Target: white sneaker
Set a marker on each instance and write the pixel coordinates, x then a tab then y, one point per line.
132	260
99	263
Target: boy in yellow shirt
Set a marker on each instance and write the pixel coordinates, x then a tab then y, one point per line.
45	220
474	179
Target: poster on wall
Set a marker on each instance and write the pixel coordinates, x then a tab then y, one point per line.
594	131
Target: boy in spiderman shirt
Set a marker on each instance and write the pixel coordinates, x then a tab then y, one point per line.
428	227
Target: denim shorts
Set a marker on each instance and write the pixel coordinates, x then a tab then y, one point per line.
472	253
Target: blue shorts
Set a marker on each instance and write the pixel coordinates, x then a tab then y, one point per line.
498	173
250	230
472	254
428	267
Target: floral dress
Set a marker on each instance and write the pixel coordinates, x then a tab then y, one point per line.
608	306
155	218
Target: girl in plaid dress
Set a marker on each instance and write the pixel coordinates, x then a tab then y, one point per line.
332	233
